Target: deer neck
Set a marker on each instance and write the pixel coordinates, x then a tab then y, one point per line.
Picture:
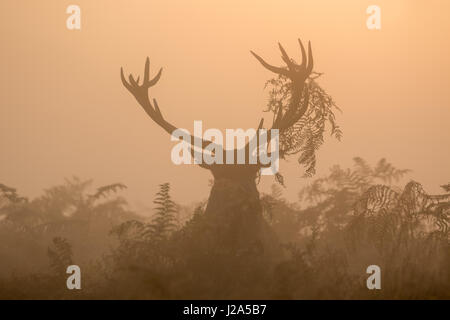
234	192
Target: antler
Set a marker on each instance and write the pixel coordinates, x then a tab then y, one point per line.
296	109
140	92
298	75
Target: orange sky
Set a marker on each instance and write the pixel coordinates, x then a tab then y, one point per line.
64	111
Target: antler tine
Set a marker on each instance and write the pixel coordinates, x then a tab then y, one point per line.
285	56
132	81
270	67
298	75
124	81
310	59
155	80
147	82
302	48
147	70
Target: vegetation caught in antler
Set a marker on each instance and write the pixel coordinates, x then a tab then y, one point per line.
307	135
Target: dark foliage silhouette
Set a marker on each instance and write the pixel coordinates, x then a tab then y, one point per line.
346	221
